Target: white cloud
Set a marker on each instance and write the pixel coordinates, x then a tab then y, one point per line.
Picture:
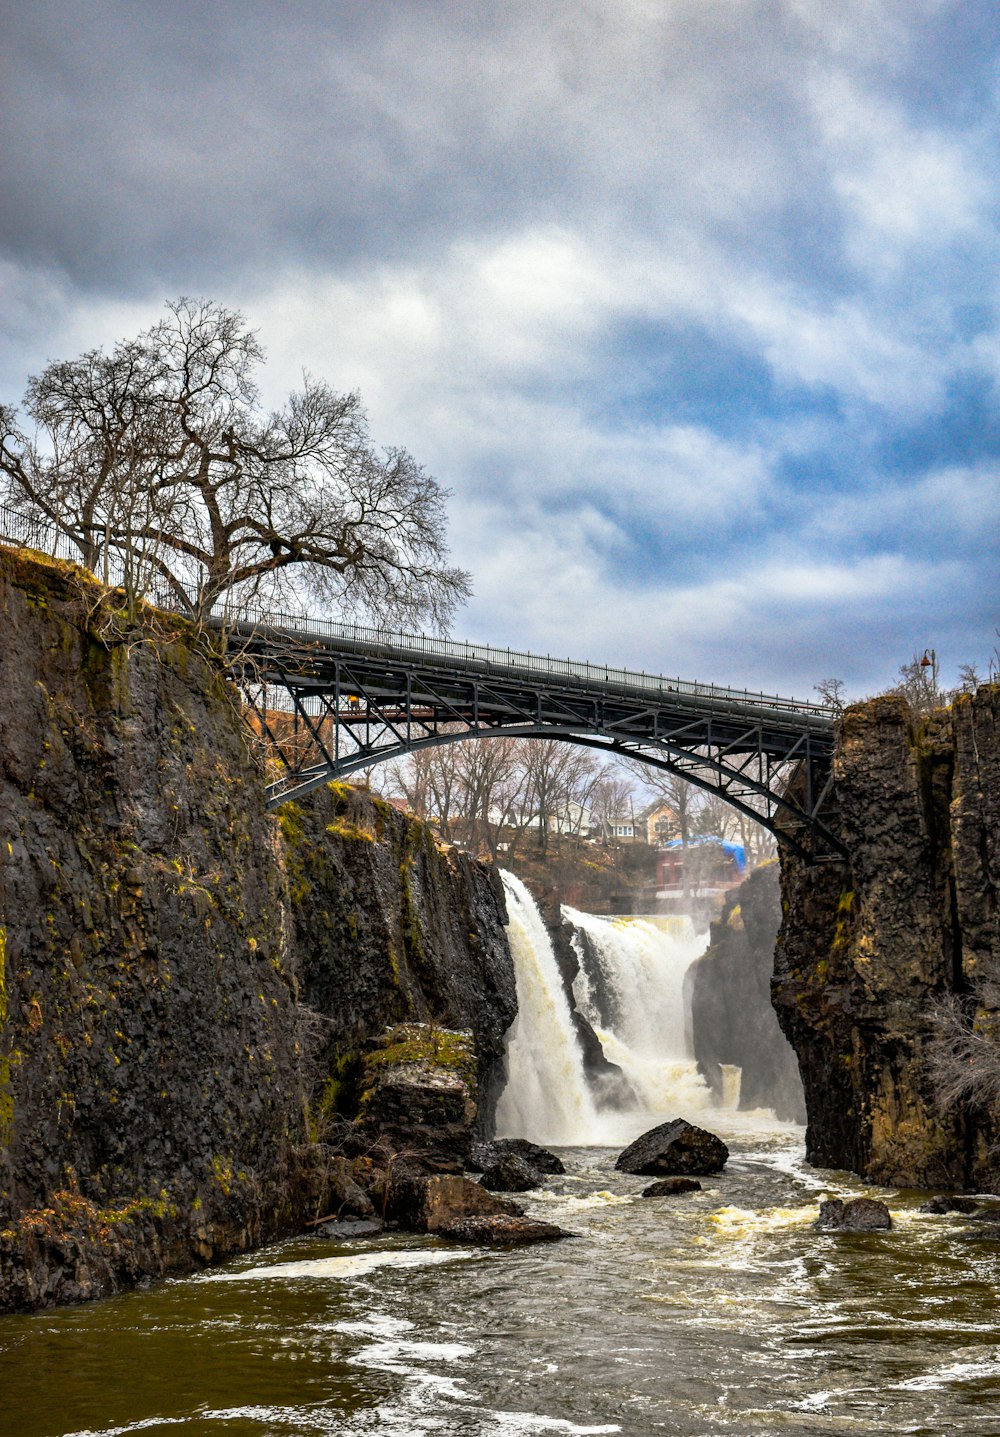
903	185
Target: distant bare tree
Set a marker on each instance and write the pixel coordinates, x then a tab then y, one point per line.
968	678
831	691
919	683
613	795
160	456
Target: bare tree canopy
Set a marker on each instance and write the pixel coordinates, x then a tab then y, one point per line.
159	456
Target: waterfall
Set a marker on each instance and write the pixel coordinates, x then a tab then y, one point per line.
630	990
546	1097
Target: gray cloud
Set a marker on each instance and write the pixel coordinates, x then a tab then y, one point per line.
145	143
692	304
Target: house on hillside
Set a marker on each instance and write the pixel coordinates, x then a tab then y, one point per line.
659	819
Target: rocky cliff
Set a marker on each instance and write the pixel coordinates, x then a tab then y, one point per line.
183	979
878	956
729	988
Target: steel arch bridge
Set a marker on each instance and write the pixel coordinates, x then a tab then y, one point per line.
334	698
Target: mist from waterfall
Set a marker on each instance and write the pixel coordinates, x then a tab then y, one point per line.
630	989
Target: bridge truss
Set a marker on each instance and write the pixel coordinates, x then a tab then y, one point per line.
334	699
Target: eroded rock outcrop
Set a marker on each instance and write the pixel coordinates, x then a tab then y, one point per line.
869	948
729	989
185	983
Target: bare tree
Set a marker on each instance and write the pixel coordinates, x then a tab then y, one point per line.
612	797
161	452
919	683
831	691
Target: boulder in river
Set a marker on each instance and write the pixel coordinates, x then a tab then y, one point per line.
676	1147
484	1155
345	1228
429	1204
855	1215
946	1203
668	1187
510	1174
500	1231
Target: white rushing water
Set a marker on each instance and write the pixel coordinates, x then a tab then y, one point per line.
630	990
546	1093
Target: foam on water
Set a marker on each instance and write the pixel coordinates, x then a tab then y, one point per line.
352	1266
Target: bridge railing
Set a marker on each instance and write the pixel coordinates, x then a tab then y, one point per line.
19	529
486	656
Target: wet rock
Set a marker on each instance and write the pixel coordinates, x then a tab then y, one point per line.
855	1215
484	1155
729	992
500	1231
988	1215
510	1174
677	1147
430	1204
944	1203
667	1187
345	1229
419	1097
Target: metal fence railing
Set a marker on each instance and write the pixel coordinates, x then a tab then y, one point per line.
22	530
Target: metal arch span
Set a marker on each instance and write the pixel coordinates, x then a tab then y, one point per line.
340	698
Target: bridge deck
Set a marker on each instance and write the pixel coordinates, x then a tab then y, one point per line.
311	650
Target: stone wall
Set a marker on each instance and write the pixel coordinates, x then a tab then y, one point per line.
869	949
179	973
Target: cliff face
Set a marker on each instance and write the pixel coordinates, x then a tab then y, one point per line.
389	926
729	986
869	948
168	956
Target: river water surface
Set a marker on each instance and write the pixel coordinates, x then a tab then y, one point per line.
715	1312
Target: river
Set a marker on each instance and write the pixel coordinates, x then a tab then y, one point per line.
715	1312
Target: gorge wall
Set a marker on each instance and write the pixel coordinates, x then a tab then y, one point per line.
729	992
890	961
184	978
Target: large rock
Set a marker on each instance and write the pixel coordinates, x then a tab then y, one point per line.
677	1147
418	1100
484	1155
948	1203
499	1231
428	1204
510	1174
855	1215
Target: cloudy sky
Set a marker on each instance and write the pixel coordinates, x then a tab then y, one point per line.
694	304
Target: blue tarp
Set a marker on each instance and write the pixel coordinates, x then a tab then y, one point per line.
735	851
